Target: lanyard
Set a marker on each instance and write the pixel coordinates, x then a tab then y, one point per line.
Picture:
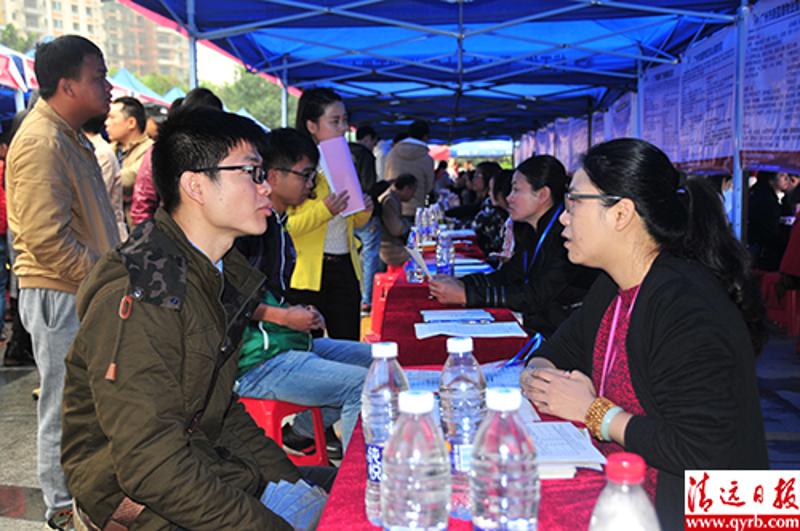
611	352
540	242
527	350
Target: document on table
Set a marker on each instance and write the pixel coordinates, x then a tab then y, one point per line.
465	261
300	504
443	316
501	329
561	448
460	233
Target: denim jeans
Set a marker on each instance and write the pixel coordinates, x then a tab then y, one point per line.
331	374
370	236
50	317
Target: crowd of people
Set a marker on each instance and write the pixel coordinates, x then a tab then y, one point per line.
196	258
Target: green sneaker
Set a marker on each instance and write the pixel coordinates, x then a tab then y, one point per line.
62	520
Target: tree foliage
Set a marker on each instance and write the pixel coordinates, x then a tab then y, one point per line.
259	96
161	83
16	39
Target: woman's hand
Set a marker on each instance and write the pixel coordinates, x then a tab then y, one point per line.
336	203
565	394
448	290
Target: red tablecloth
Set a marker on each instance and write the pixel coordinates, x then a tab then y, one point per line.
565	504
396	306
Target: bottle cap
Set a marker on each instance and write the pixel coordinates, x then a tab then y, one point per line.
459	344
503	398
625	468
387	349
416	402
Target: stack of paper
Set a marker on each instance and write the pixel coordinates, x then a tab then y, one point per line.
561	448
460	233
299	503
469	269
501	329
463	316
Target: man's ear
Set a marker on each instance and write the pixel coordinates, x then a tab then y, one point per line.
65	85
624	213
190	185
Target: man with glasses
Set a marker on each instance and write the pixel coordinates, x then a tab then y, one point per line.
279	359
153	436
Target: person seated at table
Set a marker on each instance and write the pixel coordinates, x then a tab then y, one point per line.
395	226
279	359
489	224
538	281
478	184
660	359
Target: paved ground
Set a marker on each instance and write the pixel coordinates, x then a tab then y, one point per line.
21	506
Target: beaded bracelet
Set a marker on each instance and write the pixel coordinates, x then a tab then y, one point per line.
607	418
594	415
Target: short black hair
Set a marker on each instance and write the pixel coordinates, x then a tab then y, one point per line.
201	97
419	129
285	147
61	58
364	131
133	108
404	181
95	125
502	184
196	138
155	112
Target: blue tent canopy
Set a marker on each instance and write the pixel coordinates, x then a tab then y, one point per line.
475	69
127	80
173	94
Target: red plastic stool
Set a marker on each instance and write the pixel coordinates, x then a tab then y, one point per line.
269	415
382	283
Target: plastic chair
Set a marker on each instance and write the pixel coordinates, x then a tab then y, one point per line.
269	415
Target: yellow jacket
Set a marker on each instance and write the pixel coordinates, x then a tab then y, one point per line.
307	224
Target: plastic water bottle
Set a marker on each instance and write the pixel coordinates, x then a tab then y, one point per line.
413	272
623	503
379	410
415	488
504	481
462	396
445	257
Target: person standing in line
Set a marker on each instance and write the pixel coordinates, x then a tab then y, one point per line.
62	220
410	155
109	166
328	269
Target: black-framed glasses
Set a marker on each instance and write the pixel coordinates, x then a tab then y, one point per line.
308	175
256	171
571	197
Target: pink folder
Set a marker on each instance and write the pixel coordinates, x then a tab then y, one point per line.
337	164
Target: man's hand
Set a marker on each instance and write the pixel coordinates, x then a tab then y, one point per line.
368	204
336	203
448	290
304	318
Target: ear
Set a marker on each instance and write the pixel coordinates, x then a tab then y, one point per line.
624	213
312	127
65	86
272	177
191	187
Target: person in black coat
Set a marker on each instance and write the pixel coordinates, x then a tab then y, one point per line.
660	359
539	280
767	239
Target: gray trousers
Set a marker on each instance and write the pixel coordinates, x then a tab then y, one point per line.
52	321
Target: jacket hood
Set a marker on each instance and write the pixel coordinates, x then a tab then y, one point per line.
410	150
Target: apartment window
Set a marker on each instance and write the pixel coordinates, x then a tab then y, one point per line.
56	6
75	10
89	11
31	21
31	4
57	24
90	28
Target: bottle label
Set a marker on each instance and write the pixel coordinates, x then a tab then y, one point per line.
460	457
374	462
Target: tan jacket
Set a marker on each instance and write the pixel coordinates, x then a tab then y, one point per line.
58	207
110	170
131	159
395	230
411	156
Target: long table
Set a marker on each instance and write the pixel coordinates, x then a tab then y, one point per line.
395	309
564	505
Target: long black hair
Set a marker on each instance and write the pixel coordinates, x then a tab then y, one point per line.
546	170
684	217
312	105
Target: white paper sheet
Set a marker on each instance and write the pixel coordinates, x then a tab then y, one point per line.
563	443
443	316
501	329
416	256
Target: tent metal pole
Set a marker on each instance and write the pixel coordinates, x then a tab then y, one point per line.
739	185
639	100
19	100
285	95
662	10
192	28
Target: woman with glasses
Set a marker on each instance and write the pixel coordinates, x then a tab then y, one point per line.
538	281
660	359
328	270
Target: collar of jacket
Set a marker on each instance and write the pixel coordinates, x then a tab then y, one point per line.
545	219
131	146
48	112
156	256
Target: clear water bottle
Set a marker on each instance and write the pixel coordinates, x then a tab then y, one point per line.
462	397
623	503
379	410
445	255
413	272
415	488
504	481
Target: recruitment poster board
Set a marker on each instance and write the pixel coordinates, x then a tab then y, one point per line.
707	104
621	117
771	136
598	128
660	113
579	142
563	141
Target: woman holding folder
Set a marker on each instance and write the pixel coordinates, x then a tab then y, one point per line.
328	270
660	359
